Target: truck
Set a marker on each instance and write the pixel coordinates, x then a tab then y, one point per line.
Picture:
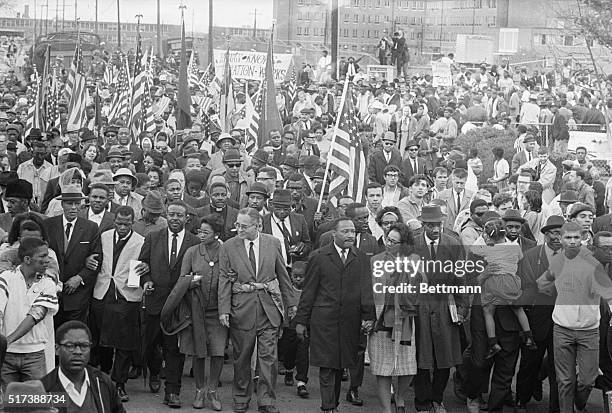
474	49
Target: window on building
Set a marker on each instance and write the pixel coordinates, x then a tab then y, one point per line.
345	32
315	32
356	18
305	31
368	34
492	21
377	4
478	4
376	33
492	4
387	3
377	19
347	16
299	31
354	32
568	40
299	17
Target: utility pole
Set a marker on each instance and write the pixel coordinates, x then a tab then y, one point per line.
159	52
473	16
118	27
334	38
96	23
75	10
211	53
56	14
441	23
63	13
35	24
255	24
138	17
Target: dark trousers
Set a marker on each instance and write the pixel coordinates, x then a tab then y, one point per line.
154	337
82	315
295	353
504	367
117	361
330	381
243	343
529	373
356	372
429	388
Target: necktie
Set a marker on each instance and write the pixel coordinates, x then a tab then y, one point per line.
173	250
287	238
414	168
433	250
252	257
458	202
343	255
528	156
68	227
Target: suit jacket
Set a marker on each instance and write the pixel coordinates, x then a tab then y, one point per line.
448	196
108	220
299	230
130	251
84	241
367	243
271	266
526	243
519	159
378	163
408	172
154	252
538	306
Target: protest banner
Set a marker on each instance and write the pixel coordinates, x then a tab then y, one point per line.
252	65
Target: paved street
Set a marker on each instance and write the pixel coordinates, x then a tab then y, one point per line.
143	401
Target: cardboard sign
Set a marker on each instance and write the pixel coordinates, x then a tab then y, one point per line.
252	65
441	73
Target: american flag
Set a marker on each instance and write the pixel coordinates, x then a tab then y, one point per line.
71	74
253	111
35	119
347	162
140	92
292	87
53	117
109	74
78	93
120	106
192	72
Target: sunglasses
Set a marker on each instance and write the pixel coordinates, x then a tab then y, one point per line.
233	165
413	150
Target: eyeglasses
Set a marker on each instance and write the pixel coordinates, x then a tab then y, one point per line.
392	241
73	346
233	165
242	226
387	223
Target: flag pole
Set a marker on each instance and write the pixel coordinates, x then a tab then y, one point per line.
331	146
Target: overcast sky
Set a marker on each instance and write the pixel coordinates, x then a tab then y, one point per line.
226	12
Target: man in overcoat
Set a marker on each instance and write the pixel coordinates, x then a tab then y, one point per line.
337	304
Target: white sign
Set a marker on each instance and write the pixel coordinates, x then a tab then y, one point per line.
441	73
252	65
380	72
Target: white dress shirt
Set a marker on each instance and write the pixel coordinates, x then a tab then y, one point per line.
179	242
97	218
339	250
78	397
120	200
247	246
428	241
276	231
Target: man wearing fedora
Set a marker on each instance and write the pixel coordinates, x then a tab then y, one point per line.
235	178
289	227
152	211
37	171
100	192
66	159
114	159
539	308
257	198
438	335
513	224
125	183
412	164
18	196
224	142
73	239
389	155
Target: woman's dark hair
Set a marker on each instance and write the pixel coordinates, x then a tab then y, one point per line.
158	158
159	173
406	239
534	198
22	219
387	209
215	222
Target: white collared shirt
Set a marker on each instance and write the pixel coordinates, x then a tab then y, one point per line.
339	250
387	156
65	223
276	231
77	397
460	199
120	200
247	246
549	252
97	218
428	241
179	242
515	242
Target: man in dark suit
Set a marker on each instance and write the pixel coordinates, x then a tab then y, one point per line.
335	335
252	263
161	257
438	335
71	160
302	204
389	155
219	194
513	224
74	239
539	308
412	165
289	227
98	211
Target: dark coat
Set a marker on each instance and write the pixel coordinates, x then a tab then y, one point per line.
154	252
108	220
438	339
299	231
84	241
229	216
602	223
307	208
408	172
559	130
367	243
194	202
378	163
335	299
538	306
103	390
